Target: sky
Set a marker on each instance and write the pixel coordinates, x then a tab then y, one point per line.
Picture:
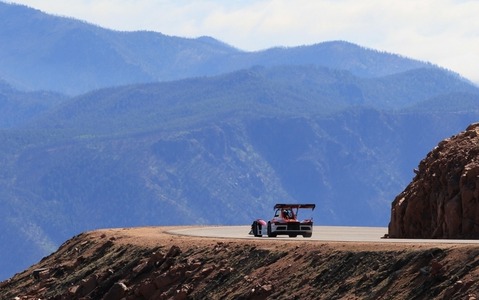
443	32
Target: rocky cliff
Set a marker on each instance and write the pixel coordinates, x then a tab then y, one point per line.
442	201
148	263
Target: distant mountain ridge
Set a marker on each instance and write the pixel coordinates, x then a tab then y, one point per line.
44	52
289	91
18	107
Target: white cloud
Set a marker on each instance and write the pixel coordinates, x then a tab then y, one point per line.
444	32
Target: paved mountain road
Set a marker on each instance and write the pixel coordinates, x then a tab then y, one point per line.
320	233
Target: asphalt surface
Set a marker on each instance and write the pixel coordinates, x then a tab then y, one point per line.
320	233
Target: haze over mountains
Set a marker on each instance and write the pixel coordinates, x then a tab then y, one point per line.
46	52
117	129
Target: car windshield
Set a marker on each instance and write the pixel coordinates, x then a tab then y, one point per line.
289	213
284	213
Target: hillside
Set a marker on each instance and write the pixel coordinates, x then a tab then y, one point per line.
219	150
162	130
18	107
285	92
45	52
147	263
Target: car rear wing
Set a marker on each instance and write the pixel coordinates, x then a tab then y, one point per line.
311	206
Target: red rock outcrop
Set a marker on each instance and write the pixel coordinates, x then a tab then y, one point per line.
442	201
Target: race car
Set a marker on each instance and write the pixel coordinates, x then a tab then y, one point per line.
285	222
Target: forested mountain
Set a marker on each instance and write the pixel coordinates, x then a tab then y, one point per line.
44	52
18	107
223	150
334	123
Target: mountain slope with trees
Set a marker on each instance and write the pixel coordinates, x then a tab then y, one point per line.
220	150
18	108
45	52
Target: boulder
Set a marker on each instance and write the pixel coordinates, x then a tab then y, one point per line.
86	286
442	201
174	251
147	289
116	292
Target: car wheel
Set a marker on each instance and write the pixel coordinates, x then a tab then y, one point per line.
270	234
307	235
255	229
293	235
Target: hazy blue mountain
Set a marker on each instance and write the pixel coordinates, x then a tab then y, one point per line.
18	107
276	91
351	164
449	102
42	51
45	52
222	150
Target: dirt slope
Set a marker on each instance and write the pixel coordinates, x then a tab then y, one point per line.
148	263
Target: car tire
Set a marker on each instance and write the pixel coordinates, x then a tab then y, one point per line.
307	235
255	229
293	235
270	234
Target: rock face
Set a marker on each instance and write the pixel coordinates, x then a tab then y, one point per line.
442	201
150	264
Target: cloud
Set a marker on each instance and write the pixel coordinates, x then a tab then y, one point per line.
444	32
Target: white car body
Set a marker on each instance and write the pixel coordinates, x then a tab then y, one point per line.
285	222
